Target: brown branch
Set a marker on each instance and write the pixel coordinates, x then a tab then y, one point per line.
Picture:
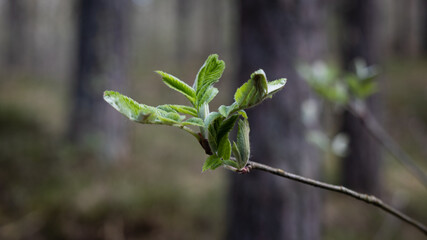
383	138
340	189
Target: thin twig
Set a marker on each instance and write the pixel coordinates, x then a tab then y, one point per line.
340	189
382	137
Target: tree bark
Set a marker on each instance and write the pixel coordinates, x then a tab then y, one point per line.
361	34
102	58
274	36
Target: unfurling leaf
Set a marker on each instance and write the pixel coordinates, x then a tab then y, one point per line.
275	86
212	162
209	95
224	148
226	127
194	121
242	148
209	73
178	85
211	117
253	92
125	105
230	163
184	109
213	133
163	114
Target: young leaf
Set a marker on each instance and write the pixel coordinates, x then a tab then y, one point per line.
253	91
243	144
230	163
209	73
224	148
209	95
236	154
194	121
184	109
226	110
243	114
142	113
211	117
169	118
275	86
226	127
166	108
125	105
178	85
212	162
213	133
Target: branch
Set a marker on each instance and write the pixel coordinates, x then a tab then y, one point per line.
381	136
340	189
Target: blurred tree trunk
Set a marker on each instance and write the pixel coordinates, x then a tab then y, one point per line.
183	10
275	36
102	58
16	41
361	39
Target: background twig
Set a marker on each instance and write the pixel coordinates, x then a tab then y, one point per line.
379	134
340	189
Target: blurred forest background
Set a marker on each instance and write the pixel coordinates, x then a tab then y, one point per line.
73	168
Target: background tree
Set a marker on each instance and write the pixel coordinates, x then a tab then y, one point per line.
102	57
17	38
361	39
274	36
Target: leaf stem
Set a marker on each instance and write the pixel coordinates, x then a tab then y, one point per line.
340	189
190	131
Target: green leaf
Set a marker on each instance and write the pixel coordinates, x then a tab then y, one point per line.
255	90
226	127
260	81
230	162
125	105
169	118
236	154
276	86
226	110
243	144
142	113
167	108
243	114
209	73
178	85
209	95
194	121
212	162
184	109
211	117
213	133
224	148
361	87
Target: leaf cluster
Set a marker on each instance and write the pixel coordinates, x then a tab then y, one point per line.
214	127
340	87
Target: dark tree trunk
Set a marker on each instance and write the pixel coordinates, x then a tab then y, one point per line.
423	24
274	36
361	34
102	58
